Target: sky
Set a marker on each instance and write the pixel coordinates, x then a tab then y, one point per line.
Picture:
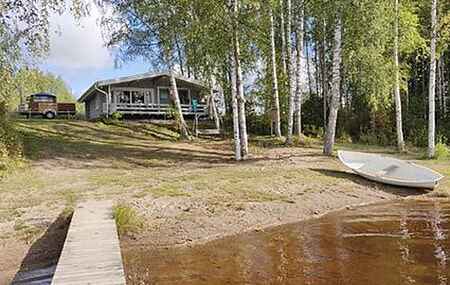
78	53
79	56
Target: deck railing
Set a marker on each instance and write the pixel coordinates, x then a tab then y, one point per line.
153	109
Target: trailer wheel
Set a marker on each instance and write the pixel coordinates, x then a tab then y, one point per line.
50	115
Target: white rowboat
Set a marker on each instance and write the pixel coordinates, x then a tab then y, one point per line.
390	170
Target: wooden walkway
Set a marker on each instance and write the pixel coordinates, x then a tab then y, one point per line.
91	253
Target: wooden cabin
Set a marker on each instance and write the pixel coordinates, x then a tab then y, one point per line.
143	94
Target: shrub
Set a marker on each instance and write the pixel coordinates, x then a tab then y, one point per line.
10	145
127	220
345	138
116	116
368	138
442	151
304	141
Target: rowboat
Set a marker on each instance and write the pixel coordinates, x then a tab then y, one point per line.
390	170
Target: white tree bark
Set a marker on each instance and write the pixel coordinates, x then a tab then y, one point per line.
239	82
213	108
290	66
184	133
432	84
298	74
235	109
335	90
397	99
240	98
276	117
283	38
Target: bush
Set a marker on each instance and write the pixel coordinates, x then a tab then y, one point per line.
368	138
442	151
127	220
304	141
116	116
10	145
419	137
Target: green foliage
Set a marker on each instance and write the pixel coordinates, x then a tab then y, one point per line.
442	151
10	145
127	220
30	81
116	116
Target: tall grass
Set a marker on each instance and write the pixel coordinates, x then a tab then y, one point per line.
127	219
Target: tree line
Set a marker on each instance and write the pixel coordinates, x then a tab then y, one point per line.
372	71
372	68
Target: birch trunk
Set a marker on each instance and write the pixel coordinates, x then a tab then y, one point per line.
397	99
184	133
235	110
308	68
298	74
239	84
335	90
283	38
290	66
432	84
213	108
276	117
324	74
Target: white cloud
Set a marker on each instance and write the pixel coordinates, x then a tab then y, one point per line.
78	45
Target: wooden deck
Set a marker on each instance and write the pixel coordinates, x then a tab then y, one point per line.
153	109
91	253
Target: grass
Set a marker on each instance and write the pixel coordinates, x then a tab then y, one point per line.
65	161
127	220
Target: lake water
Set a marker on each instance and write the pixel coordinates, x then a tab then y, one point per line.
393	243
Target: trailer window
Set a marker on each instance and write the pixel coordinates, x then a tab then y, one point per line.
44	98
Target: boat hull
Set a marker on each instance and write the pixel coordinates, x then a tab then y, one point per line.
389	170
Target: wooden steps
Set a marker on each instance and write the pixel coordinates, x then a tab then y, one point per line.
208	132
91	253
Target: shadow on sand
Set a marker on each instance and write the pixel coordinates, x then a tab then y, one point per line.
400	191
39	264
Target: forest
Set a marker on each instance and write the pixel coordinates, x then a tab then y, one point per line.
374	72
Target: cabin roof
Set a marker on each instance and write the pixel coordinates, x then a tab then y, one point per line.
147	75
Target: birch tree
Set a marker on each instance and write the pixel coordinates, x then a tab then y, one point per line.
283	37
432	83
397	99
240	86
275	116
298	75
290	66
335	90
184	133
235	110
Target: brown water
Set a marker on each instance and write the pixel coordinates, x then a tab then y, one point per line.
395	243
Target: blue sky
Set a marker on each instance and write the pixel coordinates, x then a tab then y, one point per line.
78	53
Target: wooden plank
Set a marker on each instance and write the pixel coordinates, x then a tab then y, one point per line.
91	253
208	132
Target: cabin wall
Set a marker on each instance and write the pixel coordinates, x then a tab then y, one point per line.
94	106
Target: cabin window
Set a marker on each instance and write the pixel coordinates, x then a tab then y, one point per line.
138	97
164	96
148	95
124	97
184	96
